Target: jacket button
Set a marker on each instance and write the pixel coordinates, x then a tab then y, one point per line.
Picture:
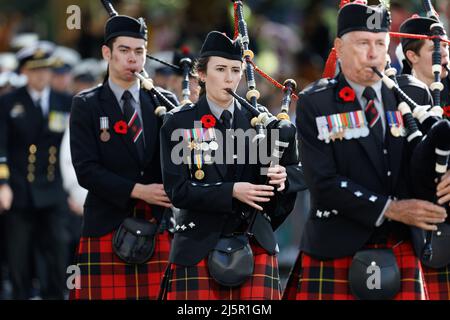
245	214
30	177
33	149
142	173
52	159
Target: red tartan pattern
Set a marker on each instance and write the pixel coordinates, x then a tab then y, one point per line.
290	292
104	276
313	279
438	282
195	283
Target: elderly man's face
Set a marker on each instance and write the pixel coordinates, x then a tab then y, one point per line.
358	51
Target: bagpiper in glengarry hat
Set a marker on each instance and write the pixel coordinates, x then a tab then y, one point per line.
358	16
126	26
416	25
218	44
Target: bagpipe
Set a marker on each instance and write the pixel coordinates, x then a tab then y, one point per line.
163	104
437	29
430	145
262	120
186	66
265	124
436	251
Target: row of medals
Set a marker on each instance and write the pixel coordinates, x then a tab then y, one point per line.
204	146
350	133
355	130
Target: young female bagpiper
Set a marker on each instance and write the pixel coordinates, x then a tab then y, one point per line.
224	246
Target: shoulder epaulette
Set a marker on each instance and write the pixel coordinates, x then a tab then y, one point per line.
404	80
183	108
320	85
88	91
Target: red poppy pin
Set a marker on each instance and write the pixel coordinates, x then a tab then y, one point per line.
121	127
447	111
347	94
208	121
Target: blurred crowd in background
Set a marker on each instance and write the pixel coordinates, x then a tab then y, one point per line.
290	39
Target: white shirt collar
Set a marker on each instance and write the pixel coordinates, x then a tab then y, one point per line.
43	95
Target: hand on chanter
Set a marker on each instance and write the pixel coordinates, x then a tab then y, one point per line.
252	193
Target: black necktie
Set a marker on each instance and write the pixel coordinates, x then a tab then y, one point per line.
39	107
372	114
225	117
134	123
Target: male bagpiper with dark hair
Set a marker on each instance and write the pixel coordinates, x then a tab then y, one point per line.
124	247
418	56
32	122
418	62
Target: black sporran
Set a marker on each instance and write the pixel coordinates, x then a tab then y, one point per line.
231	262
374	275
134	240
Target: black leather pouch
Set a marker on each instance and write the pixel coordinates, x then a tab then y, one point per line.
231	262
134	240
374	275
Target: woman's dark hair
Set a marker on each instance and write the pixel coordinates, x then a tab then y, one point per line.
200	66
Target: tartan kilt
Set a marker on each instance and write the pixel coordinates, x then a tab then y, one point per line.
290	291
104	276
437	282
314	279
195	283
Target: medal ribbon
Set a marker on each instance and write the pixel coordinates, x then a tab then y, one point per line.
360	119
104	123
353	119
390	118
198	160
330	124
398	116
